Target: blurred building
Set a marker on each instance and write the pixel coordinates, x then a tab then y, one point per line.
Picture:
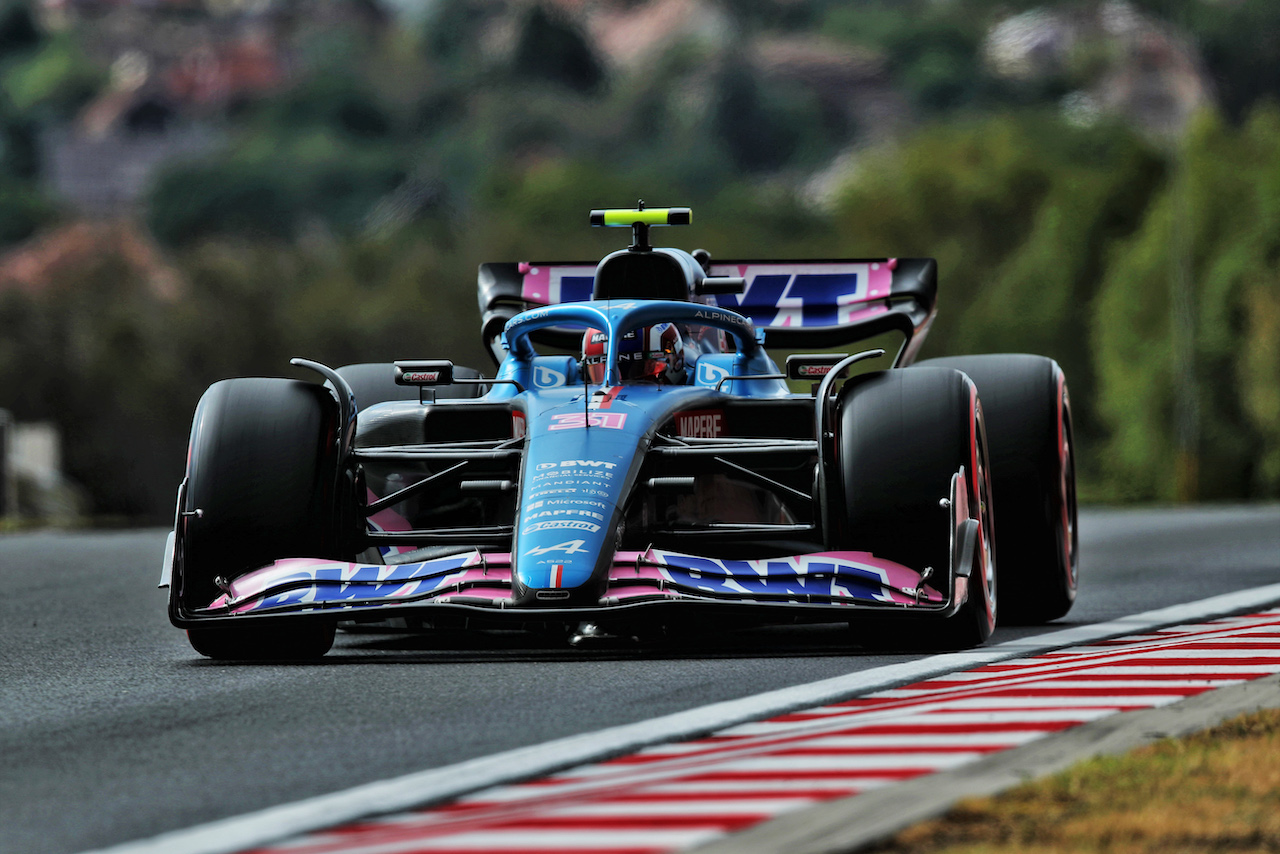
178	68
1128	64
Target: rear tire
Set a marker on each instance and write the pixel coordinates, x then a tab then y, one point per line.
1034	484
261	475
901	437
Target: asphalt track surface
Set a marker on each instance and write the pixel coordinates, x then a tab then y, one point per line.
113	729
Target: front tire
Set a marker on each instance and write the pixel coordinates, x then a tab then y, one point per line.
261	477
1033	460
901	437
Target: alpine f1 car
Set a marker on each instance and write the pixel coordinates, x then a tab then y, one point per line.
638	460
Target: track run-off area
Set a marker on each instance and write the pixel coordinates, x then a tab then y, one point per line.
114	733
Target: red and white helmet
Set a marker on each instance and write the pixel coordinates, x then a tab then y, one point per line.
653	354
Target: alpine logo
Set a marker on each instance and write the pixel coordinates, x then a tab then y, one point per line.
570	547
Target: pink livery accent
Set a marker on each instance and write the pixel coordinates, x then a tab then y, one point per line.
839	578
388	520
541	284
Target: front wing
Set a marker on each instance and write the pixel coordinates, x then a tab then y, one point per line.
809	587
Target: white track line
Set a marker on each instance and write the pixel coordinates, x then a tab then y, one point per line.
438	784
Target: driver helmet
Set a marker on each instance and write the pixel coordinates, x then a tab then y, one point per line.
650	354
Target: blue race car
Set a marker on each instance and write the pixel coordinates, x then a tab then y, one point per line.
639	461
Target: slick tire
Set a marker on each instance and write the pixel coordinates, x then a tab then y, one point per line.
901	435
1033	481
375	382
261	475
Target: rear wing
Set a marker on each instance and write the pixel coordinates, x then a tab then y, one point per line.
798	304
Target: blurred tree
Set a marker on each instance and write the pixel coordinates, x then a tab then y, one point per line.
1022	214
331	99
53	82
932	49
1238	42
452	30
763	125
1220	221
18	31
23	210
551	49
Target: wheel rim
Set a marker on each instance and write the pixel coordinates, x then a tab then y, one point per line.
1068	533
986	523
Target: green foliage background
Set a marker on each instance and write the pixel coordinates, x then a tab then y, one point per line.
344	219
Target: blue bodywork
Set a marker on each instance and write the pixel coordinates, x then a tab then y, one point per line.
586	442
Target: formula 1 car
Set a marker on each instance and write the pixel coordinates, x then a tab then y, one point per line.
649	466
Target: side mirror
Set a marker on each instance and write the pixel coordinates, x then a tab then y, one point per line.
423	373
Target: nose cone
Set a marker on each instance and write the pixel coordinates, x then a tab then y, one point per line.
578	468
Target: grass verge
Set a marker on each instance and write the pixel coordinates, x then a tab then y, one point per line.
1215	791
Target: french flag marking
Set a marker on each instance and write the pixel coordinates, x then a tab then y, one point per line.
557	574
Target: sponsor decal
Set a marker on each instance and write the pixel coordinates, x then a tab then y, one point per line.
566	502
562	525
518	427
787	576
812	295
596	464
543	493
544	377
700	423
564	511
582	479
709	374
570	547
576	420
424	377
815	371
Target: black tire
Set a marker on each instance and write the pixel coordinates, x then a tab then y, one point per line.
261	476
375	382
901	437
1028	415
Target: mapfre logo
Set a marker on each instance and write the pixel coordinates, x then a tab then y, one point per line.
700	423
